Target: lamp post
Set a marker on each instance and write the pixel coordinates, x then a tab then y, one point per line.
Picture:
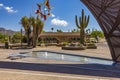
21	37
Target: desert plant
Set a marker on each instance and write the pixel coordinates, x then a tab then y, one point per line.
59	30
24	39
6	45
52	29
25	22
16	38
37	25
1	37
91	46
82	24
97	33
65	43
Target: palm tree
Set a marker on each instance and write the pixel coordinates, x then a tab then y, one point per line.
26	24
52	29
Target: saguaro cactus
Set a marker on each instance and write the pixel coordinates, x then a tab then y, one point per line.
83	23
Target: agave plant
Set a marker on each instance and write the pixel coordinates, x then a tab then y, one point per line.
82	24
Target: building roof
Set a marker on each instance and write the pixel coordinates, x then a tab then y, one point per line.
59	34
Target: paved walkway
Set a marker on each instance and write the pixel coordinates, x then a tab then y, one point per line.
29	68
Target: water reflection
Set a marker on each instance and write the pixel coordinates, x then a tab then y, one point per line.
64	57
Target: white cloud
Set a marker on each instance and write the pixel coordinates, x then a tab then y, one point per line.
59	22
1	5
10	9
52	15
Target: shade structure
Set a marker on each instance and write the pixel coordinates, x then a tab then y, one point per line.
107	13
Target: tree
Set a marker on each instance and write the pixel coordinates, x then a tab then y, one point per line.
83	23
52	29
88	31
32	24
16	38
39	28
97	33
1	37
4	37
26	25
74	30
59	30
37	25
43	31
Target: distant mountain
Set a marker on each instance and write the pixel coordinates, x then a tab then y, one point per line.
7	32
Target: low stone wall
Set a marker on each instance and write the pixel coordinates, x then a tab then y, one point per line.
73	48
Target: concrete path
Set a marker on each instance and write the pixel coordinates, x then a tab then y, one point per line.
31	69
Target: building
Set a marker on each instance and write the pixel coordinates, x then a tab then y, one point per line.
57	37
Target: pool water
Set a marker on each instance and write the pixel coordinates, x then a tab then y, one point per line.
63	57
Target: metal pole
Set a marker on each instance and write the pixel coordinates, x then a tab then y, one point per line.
21	37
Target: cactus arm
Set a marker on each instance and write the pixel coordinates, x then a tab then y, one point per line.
82	17
80	20
76	20
87	21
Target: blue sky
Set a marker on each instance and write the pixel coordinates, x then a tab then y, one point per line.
63	11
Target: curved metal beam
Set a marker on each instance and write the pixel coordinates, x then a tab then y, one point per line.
107	13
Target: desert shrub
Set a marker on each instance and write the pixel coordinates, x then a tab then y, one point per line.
65	43
97	33
16	38
24	39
